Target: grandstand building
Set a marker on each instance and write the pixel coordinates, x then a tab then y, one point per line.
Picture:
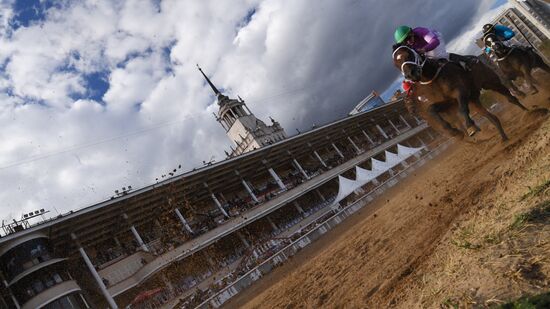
183	238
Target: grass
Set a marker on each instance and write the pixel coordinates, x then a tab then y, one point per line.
493	238
449	303
536	190
539	214
464	244
462	241
519	221
529	302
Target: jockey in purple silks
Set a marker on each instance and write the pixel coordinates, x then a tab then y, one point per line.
429	43
423	40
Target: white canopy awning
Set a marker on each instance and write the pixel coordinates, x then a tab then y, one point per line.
405	152
363	176
392	159
346	187
379	165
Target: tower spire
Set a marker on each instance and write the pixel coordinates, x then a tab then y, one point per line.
216	91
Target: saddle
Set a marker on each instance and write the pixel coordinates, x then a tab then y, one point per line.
466	62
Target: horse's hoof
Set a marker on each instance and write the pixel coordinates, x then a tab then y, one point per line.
472	130
458	134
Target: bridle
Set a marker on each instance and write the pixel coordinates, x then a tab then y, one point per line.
490	40
417	62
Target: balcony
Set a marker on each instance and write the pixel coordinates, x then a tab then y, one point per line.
51	294
33	269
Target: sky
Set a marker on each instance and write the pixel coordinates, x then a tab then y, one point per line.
98	95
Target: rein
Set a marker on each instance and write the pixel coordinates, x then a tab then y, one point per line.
507	54
439	68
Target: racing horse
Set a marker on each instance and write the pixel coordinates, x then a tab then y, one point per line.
516	61
439	84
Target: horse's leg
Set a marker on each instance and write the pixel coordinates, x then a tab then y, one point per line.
471	127
531	82
507	78
493	81
500	88
512	89
492	118
544	66
442	123
538	62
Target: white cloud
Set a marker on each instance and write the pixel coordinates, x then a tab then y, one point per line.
6	13
298	61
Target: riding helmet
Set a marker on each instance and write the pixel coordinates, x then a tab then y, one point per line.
488	28
401	33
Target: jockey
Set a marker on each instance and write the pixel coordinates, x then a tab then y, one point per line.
502	33
429	43
422	40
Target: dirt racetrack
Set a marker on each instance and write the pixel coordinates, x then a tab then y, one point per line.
471	229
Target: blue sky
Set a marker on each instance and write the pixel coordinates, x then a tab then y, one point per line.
97	95
29	11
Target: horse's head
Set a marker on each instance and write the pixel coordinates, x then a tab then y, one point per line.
491	40
407	61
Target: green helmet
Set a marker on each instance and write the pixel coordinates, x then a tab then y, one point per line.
401	33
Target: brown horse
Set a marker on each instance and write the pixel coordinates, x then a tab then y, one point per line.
516	61
438	84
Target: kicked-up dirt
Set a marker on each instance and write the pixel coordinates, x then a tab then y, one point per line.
470	229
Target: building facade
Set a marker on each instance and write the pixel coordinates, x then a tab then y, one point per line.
241	126
537	12
182	239
529	20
